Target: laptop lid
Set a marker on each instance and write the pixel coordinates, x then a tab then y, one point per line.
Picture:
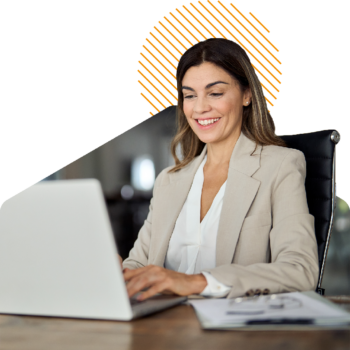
58	256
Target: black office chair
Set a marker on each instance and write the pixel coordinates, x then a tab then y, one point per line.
319	150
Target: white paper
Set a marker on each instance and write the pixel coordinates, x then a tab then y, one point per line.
305	307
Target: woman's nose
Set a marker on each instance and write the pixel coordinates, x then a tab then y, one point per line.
201	105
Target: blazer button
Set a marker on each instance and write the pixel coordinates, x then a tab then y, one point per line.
257	292
249	293
266	291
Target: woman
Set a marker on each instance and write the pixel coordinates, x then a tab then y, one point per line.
231	216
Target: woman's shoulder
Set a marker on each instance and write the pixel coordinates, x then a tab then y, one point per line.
166	176
282	161
166	172
278	154
163	177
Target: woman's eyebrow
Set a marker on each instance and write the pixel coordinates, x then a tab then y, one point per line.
207	87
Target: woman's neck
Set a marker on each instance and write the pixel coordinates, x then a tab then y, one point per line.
219	154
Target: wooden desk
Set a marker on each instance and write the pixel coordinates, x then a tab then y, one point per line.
176	328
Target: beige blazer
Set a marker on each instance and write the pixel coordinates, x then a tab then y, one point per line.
266	237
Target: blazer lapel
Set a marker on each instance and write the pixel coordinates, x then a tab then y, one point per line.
176	193
240	192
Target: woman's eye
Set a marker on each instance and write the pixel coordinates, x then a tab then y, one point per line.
216	94
189	97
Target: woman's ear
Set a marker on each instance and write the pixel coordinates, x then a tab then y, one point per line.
247	97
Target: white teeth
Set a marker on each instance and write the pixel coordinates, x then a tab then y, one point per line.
207	121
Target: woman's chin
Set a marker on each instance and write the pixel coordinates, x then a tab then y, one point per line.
208	138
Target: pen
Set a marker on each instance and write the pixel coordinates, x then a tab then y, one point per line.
281	321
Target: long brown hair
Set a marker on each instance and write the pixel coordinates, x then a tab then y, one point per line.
257	123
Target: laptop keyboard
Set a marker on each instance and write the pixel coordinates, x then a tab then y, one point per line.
153	304
134	301
155	299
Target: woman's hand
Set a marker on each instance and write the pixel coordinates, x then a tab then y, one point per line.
160	280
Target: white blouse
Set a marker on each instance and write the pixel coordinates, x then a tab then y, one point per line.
192	247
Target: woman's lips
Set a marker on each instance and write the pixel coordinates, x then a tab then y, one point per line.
208	126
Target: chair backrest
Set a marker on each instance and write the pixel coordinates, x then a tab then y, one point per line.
319	150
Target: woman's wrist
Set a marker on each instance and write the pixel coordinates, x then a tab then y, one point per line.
198	283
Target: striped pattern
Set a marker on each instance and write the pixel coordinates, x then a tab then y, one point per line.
207	19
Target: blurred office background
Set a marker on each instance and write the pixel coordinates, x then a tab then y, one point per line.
127	167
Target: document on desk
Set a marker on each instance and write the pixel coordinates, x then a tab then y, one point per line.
279	311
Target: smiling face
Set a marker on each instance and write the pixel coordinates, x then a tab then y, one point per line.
213	103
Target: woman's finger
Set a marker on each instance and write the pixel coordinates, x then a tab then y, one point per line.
142	281
155	289
129	274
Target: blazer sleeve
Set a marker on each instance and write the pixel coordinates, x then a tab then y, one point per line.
138	256
294	257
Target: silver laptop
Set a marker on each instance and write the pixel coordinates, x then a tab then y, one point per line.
58	256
